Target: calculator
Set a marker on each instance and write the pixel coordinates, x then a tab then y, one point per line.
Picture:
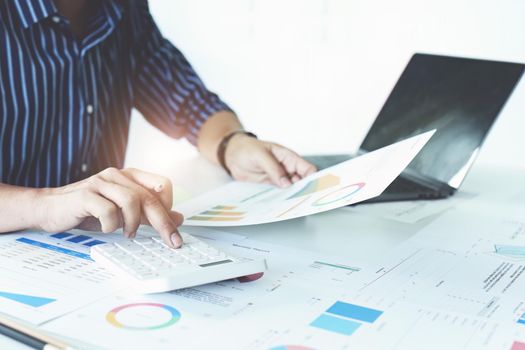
151	266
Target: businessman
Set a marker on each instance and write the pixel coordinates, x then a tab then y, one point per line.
70	73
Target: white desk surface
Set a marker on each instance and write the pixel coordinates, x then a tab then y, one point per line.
341	232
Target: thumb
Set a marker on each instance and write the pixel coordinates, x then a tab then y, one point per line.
273	169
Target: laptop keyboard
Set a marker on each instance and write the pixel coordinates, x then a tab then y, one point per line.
403	185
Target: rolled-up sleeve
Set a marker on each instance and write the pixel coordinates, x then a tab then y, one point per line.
168	91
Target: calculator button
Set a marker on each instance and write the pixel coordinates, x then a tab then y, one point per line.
147	275
105	247
142	240
132	248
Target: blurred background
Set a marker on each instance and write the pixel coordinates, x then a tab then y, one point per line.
313	74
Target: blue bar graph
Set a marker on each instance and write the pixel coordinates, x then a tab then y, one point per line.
78	239
54	248
355	312
335	324
93	243
62	235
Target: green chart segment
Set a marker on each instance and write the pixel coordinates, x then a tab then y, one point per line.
319	184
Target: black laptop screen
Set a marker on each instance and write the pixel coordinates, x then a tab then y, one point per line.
459	97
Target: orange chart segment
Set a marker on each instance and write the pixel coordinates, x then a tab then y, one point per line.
319	184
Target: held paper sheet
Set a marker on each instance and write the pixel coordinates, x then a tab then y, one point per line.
353	181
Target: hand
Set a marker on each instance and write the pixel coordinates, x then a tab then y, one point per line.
250	159
109	200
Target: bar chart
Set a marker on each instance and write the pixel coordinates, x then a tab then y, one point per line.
345	318
85	240
220	213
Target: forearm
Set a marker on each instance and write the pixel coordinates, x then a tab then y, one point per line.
18	208
214	130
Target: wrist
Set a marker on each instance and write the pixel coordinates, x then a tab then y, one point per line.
39	207
225	143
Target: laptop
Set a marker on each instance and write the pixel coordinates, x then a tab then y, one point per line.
460	98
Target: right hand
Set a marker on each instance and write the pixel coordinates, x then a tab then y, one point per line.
109	200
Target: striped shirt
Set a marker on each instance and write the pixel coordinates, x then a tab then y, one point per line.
65	103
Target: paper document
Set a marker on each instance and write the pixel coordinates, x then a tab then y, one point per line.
458	284
353	181
361	325
47	275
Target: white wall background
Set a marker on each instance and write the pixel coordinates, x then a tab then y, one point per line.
313	74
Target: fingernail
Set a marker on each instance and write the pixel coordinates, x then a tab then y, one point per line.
158	188
285	181
176	240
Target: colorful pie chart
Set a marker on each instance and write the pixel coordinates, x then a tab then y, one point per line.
143	316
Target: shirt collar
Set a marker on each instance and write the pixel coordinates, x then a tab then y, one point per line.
33	11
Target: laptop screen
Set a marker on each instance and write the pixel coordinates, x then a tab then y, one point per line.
459	97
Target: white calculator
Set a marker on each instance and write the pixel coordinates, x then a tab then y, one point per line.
152	267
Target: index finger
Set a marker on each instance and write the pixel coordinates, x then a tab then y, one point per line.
161	220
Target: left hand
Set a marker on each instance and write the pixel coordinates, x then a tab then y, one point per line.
253	160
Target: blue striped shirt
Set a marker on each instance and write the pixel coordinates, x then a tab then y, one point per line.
65	103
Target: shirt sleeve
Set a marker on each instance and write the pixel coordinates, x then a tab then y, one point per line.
168	91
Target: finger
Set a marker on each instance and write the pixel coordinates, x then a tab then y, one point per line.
274	169
107	213
90	224
295	178
177	217
153	209
124	178
162	222
292	162
127	200
156	183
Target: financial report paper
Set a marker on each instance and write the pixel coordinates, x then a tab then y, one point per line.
353	181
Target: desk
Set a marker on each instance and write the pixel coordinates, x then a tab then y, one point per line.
360	237
343	232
